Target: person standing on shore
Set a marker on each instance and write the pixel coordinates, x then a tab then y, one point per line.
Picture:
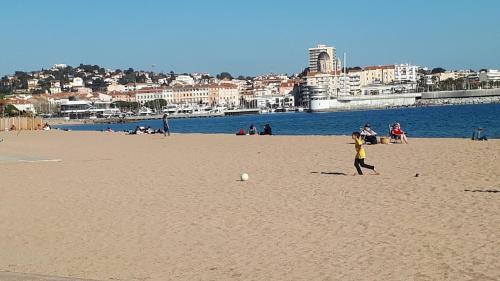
359	161
166	127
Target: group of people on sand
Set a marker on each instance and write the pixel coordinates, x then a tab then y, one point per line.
252	130
369	136
139	130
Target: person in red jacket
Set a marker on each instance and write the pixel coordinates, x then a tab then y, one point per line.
397	132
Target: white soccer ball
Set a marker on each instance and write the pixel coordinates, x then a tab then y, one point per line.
244	177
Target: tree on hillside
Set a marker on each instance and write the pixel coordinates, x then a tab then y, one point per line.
353	68
422	71
224	76
98	85
130	70
438	70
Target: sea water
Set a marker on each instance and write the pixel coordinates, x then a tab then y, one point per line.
457	121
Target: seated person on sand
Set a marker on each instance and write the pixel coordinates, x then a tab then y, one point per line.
241	132
138	131
476	135
369	135
397	133
267	130
108	129
252	130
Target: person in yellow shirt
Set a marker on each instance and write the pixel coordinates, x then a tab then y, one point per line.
359	161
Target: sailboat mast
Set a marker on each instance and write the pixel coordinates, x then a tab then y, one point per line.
345	73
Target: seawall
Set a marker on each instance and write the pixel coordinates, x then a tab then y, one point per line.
481	96
461	94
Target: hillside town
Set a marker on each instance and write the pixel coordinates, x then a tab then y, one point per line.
91	91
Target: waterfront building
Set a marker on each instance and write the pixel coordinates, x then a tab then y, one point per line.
190	94
286	88
322	58
150	94
264	90
381	74
405	73
466	73
354	82
445	75
275	101
327	81
225	94
490	75
208	94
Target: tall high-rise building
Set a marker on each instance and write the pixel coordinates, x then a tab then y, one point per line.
322	59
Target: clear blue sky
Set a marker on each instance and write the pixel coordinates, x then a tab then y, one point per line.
246	37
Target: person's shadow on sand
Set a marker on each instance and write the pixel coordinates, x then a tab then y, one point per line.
483	190
330	173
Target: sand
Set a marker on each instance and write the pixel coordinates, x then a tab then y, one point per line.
118	207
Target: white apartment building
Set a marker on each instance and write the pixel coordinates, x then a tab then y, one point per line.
55	90
32	84
275	101
334	84
354	82
264	90
183	80
491	75
59	66
405	73
55	83
325	80
77	82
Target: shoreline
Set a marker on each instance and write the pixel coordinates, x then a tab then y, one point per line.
272	136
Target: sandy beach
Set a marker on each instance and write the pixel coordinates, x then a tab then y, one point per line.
109	206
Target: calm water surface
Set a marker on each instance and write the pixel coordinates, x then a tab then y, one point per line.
456	121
